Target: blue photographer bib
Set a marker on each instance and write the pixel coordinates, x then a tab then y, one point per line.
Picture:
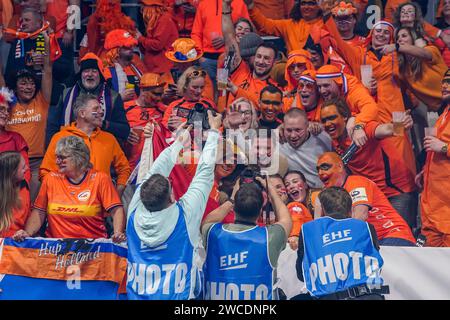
339	254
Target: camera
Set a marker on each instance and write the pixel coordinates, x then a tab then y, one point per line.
199	114
249	174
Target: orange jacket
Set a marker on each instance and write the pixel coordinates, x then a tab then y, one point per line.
104	148
294	33
385	71
428	88
208	20
435	199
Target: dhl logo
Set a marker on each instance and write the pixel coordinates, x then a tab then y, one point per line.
74	210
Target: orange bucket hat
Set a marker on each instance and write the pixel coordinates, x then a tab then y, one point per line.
119	38
184	50
329	71
151	80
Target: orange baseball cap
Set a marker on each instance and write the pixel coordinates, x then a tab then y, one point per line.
151	80
184	50
119	38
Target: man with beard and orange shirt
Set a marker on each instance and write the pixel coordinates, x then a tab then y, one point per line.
369	202
435	198
380	162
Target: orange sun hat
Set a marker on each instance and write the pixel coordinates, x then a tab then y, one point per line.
151	80
119	38
184	50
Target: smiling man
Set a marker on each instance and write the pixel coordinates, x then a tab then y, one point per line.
104	149
91	80
303	148
270	104
378	160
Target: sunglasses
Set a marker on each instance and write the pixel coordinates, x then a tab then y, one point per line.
274	103
305	85
197	73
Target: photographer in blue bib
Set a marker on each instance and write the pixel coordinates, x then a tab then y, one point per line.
163	233
337	255
241	257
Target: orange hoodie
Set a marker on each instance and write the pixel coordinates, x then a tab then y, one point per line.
104	148
208	22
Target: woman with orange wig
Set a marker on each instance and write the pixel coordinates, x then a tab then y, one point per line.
161	32
107	17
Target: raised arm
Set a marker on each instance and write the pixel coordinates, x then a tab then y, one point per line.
47	77
195	199
283	217
386	130
228	32
265	25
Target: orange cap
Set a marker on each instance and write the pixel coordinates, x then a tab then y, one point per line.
150	80
184	50
119	38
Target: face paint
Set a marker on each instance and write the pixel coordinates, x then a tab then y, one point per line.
331	170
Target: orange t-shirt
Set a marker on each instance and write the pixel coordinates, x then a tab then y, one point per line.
184	106
138	116
381	162
20	215
248	86
387	222
300	215
77	210
31	122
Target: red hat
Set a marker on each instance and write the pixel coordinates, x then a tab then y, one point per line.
119	38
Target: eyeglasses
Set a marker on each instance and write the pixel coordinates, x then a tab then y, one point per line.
246	112
197	73
274	103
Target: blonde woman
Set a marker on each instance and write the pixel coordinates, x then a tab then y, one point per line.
190	86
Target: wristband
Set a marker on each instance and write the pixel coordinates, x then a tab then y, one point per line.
358	127
231	200
444	148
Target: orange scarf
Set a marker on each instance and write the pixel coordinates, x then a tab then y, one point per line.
55	50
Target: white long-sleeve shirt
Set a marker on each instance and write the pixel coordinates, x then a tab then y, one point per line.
154	228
